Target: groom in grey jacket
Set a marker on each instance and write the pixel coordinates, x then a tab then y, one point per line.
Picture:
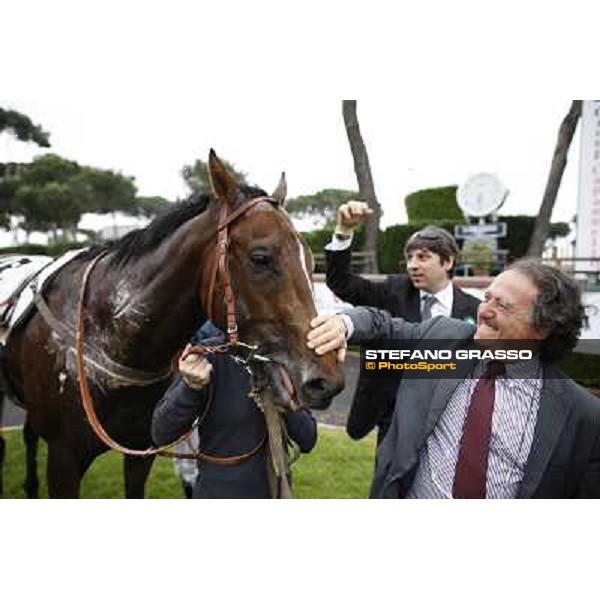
504	430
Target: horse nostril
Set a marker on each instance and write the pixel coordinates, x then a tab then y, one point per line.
318	392
317	385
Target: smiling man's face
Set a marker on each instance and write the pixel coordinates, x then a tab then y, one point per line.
506	311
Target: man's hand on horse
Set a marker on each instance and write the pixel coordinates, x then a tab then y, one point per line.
350	214
327	334
195	370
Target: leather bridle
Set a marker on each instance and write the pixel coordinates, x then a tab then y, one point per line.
219	270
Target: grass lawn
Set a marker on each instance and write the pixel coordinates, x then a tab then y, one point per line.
337	468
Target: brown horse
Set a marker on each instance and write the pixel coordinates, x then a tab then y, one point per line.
145	298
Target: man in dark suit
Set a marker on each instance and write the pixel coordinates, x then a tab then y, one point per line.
507	429
426	291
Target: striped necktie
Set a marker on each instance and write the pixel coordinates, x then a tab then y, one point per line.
428	301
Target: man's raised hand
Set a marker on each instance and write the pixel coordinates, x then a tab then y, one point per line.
350	214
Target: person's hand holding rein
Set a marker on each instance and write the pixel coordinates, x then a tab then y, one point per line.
196	370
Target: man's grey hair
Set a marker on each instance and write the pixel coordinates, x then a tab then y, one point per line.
557	310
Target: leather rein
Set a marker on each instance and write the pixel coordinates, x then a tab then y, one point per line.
219	271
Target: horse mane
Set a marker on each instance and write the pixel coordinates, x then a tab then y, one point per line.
140	242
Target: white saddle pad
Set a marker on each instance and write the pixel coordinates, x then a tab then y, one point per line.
15	270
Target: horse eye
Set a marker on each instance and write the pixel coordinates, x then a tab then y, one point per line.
261	261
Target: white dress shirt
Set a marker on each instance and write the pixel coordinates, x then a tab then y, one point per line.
444	298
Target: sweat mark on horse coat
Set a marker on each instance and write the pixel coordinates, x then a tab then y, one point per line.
126	304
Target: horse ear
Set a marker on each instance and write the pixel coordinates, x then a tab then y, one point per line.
223	184
281	190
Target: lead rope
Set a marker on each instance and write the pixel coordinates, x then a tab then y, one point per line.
279	460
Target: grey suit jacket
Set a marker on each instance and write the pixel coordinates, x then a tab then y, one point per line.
564	461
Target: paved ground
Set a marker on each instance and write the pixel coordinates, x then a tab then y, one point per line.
12	415
336	414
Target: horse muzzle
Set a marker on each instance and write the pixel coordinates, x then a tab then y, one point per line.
318	392
314	391
321	381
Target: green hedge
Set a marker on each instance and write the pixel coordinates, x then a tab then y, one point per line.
519	232
434	203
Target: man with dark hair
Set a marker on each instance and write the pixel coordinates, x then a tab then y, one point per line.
426	291
517	429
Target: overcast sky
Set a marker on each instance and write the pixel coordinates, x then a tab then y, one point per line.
411	143
147	92
445	90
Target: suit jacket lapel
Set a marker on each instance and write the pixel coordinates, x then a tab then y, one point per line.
552	415
413	306
460	307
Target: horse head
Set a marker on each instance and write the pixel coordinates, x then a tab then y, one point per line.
270	269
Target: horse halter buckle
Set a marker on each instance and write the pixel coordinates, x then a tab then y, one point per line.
251	357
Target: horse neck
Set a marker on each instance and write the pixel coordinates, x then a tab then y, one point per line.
152	306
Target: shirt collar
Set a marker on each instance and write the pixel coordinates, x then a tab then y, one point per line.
445	297
522	369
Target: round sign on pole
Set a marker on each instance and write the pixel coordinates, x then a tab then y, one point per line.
481	195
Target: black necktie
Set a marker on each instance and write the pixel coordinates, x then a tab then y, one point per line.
471	468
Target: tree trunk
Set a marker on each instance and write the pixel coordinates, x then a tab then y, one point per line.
559	162
364	177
